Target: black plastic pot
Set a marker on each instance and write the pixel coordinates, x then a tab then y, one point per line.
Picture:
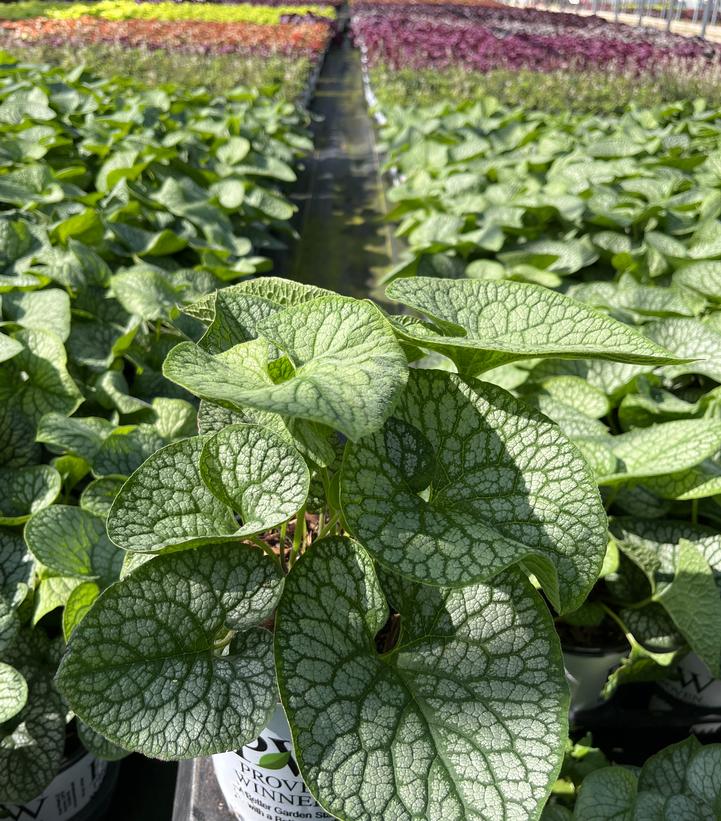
639	722
693	684
81	791
587	669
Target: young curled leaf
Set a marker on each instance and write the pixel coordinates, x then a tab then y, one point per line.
257	474
188	493
166	503
342	367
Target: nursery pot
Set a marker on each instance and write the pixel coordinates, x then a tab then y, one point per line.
81	791
261	781
587	669
693	684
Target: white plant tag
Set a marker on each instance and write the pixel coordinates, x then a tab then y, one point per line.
262	782
70	791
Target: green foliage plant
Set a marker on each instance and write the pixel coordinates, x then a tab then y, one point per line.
680	781
379	545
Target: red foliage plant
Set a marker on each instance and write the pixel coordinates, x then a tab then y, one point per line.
293	39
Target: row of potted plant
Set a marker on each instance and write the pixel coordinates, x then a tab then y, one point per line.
618	212
119	204
638	257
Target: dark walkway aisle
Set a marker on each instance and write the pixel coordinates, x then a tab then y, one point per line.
344	242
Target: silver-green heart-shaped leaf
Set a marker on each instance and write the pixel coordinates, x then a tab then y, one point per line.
502	485
682	564
13	692
16	566
25	491
82	436
255	473
698	482
653	628
702	277
236	320
31	743
608	794
125	449
629	299
46	310
174	418
98	496
234	313
614	378
193	674
146	291
686	769
213	418
576	425
579	394
73	542
341	367
314	441
430	729
283	292
682	782
663	449
482	325
657	405
165	503
37	378
77	606
696	342
692	600
661	538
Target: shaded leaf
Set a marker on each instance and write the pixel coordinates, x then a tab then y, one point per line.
73	542
25	491
507	487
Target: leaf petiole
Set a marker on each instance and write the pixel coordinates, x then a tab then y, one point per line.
329	526
298	536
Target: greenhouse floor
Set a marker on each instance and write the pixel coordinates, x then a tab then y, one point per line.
345	241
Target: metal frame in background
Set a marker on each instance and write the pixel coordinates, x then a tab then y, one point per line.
704	13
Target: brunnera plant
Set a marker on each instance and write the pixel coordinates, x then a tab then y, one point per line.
680	781
369	541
